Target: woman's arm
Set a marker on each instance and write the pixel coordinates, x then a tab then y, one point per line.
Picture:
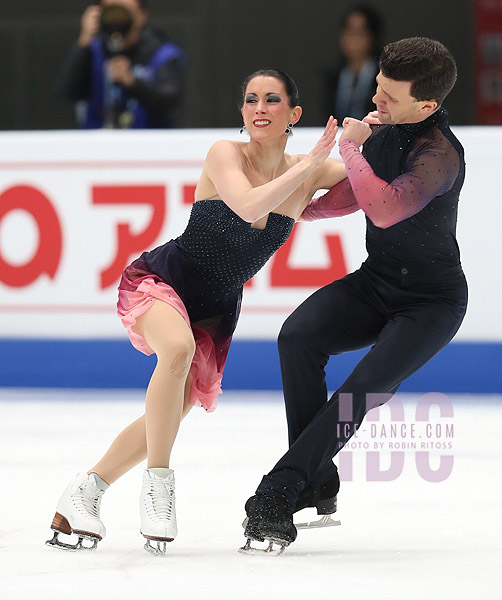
224	166
338	201
329	174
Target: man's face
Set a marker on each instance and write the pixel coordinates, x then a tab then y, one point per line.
395	104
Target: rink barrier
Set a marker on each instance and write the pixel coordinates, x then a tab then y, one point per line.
77	206
251	365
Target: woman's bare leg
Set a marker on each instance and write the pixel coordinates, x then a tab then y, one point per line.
168	396
187	405
127	450
167	333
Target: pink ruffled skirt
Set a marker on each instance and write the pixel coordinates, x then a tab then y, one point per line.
136	295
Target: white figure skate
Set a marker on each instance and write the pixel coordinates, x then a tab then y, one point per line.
157	509
78	512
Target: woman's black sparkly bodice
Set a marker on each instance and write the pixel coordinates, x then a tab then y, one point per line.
223	250
218	252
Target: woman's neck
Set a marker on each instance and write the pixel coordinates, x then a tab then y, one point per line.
267	159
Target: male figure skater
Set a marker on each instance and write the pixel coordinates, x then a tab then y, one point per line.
406	301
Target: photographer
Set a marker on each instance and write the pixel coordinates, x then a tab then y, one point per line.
122	73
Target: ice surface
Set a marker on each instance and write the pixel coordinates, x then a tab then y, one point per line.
406	538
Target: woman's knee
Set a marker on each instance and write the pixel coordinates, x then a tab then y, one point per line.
177	351
167	333
174	347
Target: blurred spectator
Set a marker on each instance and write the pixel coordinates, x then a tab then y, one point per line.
122	73
351	86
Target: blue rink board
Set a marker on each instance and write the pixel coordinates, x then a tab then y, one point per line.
251	365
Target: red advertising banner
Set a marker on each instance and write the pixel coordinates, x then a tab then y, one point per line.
488	61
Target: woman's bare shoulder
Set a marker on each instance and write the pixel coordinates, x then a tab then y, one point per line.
226	147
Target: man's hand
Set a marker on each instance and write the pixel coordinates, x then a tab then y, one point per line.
355	131
372	118
89	24
119	70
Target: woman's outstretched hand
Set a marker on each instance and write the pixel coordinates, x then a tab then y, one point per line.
326	143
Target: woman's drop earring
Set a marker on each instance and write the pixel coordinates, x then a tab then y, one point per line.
289	129
243	129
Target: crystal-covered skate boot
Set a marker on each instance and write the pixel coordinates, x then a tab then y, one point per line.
321	497
269	518
77	512
157	509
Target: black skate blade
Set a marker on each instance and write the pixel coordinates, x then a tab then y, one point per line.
269	550
79	546
324	521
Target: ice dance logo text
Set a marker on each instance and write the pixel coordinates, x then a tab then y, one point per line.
420	434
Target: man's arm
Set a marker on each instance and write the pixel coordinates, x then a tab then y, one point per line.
338	202
431	172
164	92
75	76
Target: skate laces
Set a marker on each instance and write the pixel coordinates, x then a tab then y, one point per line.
161	496
87	500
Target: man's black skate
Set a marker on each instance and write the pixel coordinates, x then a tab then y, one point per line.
322	497
269	518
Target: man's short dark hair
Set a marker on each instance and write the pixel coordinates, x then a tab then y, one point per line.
425	63
143	4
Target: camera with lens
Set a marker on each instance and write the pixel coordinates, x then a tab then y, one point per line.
115	23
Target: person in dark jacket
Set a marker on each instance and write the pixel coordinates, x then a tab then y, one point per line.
122	73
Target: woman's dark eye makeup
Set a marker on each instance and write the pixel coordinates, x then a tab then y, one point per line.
272	98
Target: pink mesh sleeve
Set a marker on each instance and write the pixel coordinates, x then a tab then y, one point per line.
431	171
339	201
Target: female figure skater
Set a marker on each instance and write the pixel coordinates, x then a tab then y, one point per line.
181	300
